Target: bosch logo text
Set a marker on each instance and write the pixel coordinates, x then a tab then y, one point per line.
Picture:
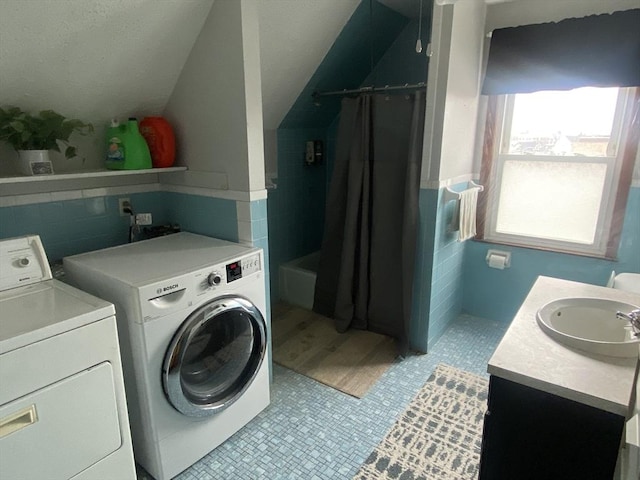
170	287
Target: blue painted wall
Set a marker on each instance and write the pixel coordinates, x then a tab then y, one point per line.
497	294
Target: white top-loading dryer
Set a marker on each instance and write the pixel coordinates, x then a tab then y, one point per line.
194	336
62	403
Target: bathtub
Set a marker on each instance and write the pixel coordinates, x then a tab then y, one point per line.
297	280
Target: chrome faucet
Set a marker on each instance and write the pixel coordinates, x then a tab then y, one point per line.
633	317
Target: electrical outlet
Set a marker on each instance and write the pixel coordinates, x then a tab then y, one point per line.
143	219
122	204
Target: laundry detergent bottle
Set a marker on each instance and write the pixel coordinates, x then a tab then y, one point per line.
161	140
126	147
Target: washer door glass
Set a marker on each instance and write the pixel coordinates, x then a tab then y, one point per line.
214	356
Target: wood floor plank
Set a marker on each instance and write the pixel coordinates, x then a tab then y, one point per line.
308	343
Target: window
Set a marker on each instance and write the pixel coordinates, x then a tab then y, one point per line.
553	161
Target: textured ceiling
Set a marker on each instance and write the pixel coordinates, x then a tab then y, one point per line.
99	59
95	59
102	59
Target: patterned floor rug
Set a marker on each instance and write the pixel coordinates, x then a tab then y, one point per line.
438	436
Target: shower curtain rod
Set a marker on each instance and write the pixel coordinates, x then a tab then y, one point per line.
386	88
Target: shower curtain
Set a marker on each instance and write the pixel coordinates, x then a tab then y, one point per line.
367	259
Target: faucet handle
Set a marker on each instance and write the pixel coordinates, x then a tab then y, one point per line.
624	316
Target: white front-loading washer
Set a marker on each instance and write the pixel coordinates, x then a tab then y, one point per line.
194	337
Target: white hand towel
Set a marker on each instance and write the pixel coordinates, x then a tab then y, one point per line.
467	214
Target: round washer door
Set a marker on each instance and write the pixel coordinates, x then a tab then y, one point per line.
214	356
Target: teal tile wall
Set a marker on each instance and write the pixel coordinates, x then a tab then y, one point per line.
260	237
421	300
75	226
214	217
629	251
447	276
497	294
259	224
438	283
296	207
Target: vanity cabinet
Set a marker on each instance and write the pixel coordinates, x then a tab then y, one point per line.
554	412
532	434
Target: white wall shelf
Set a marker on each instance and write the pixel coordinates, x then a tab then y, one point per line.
86	174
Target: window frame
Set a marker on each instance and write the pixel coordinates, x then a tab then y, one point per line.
615	189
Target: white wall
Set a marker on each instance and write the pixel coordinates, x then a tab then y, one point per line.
436	94
453	93
253	94
463	90
215	105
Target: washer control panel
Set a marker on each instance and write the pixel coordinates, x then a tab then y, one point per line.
242	268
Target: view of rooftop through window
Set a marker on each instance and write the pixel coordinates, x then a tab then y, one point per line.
577	122
556	168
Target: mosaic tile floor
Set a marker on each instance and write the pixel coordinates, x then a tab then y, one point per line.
313	432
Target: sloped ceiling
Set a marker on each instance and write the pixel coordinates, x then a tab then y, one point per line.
100	59
294	38
95	59
368	34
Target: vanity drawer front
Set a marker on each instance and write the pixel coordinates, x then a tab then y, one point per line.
531	435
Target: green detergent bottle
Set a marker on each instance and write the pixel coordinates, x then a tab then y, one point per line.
126	147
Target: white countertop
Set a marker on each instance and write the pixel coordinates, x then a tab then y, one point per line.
526	355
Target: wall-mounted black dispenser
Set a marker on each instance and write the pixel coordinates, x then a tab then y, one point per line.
314	154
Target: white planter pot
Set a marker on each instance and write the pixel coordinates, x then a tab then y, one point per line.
34	162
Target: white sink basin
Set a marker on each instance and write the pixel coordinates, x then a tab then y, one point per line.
590	324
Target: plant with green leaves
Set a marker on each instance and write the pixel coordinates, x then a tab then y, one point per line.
24	131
